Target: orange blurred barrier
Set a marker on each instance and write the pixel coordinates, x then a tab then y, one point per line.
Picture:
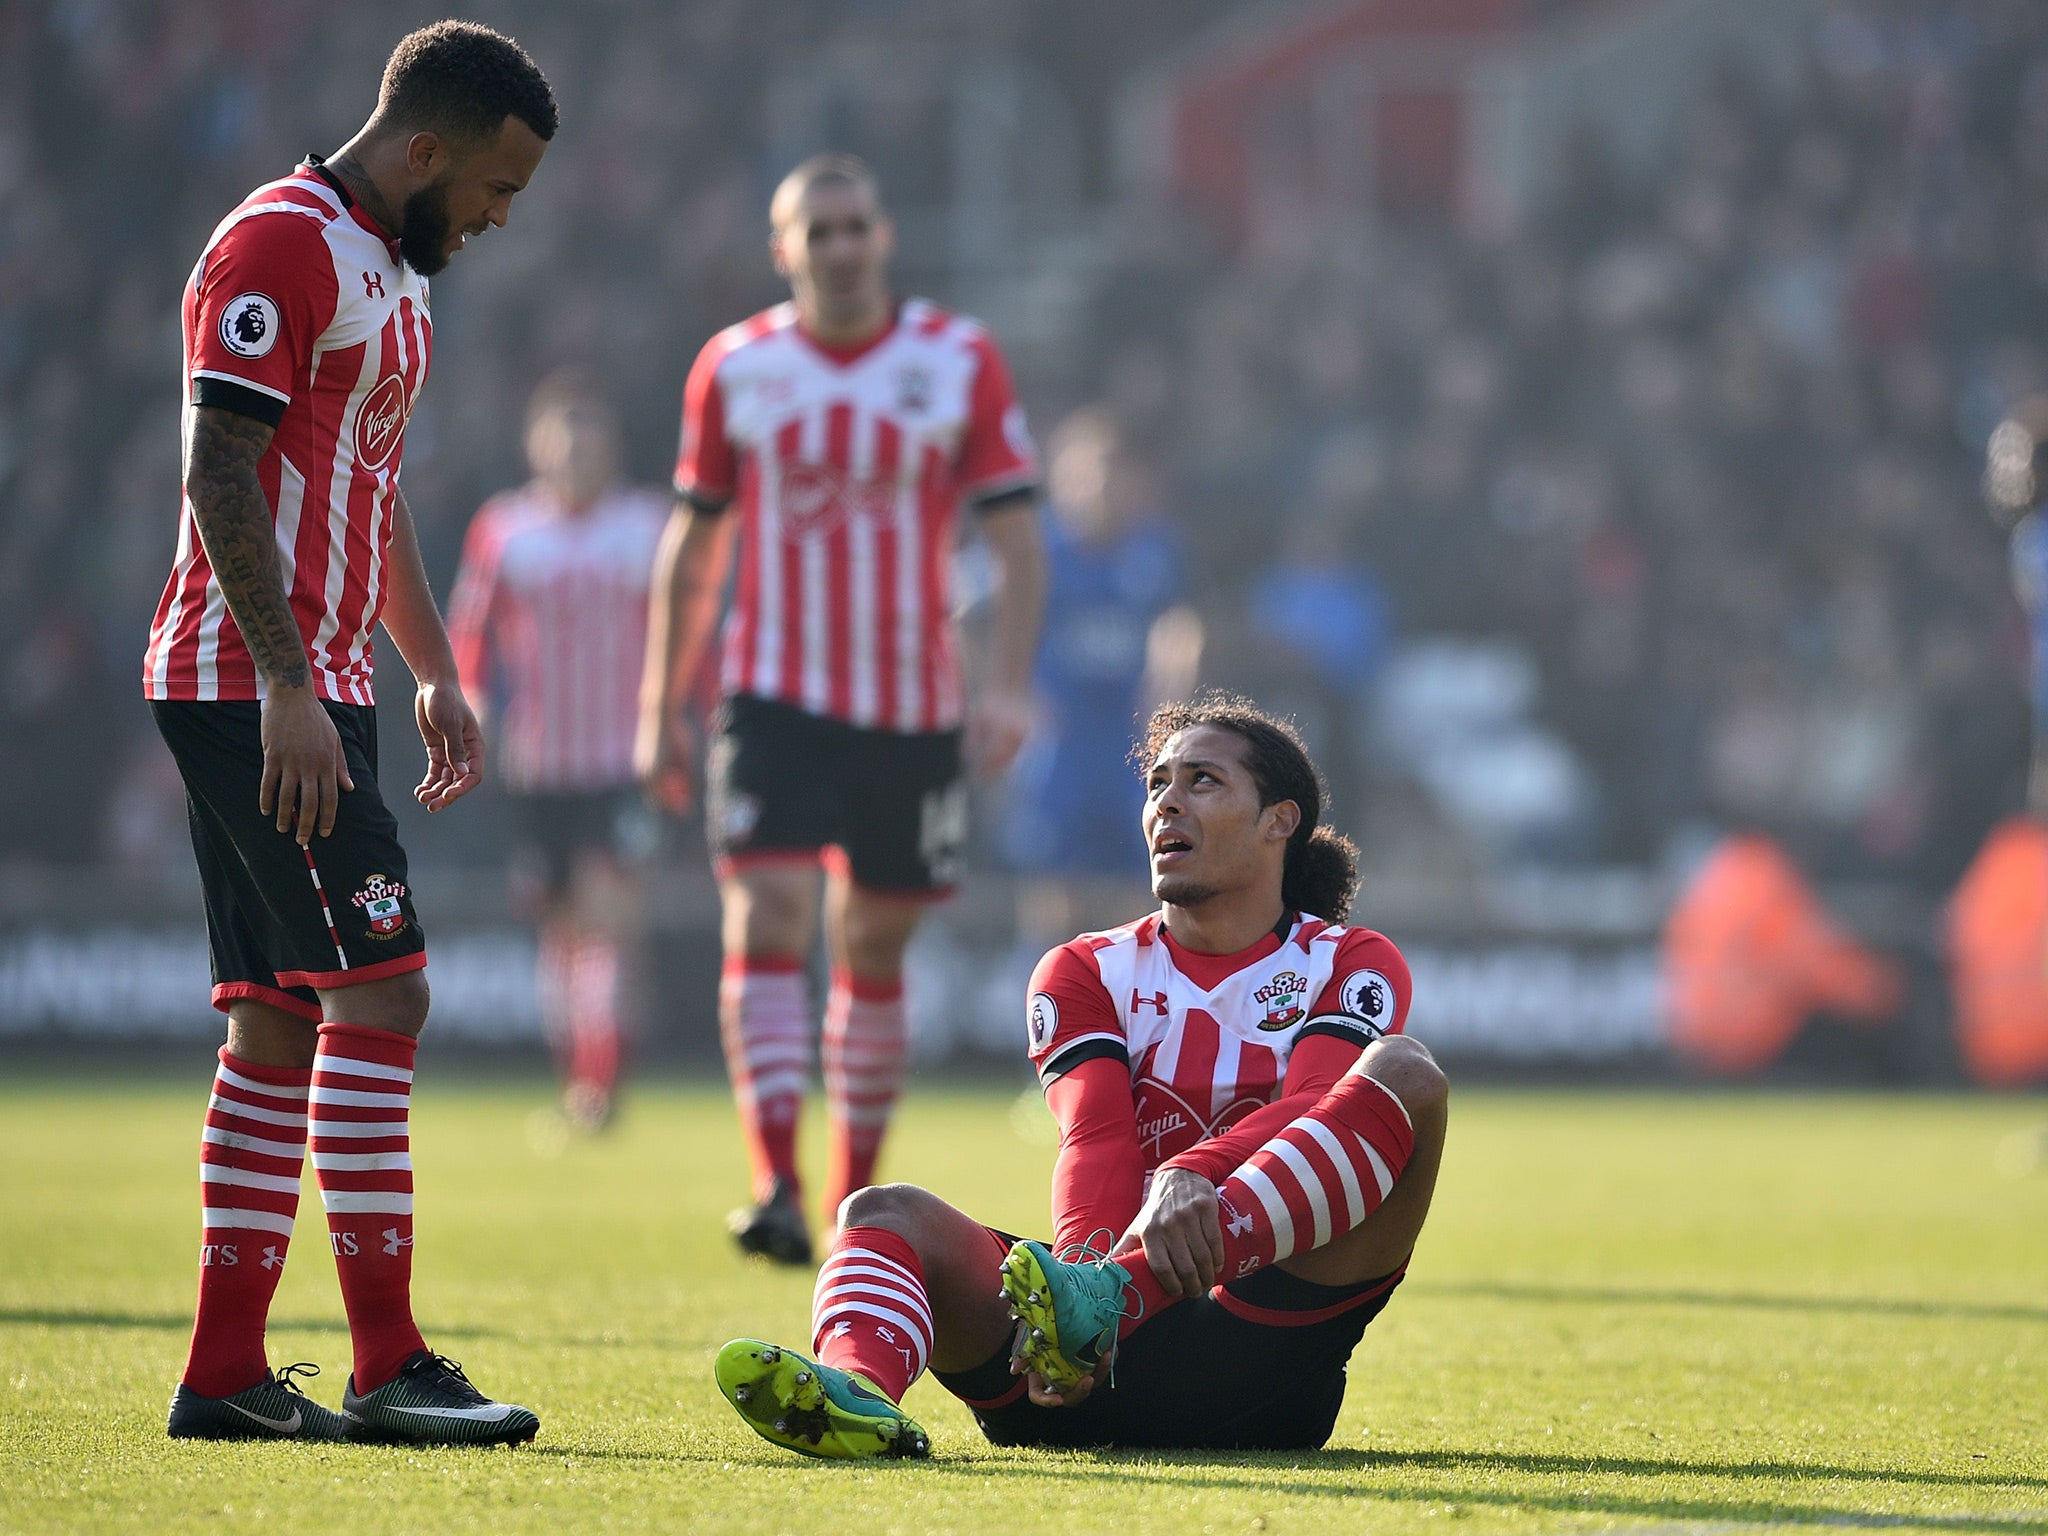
1998	956
1750	955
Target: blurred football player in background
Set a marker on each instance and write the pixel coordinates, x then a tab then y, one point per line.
831	440
549	625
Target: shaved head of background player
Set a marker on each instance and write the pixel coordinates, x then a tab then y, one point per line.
833	440
307	339
1235	1098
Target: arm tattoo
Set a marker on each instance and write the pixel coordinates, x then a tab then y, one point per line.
240	537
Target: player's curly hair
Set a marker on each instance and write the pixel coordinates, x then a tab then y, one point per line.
464	80
1321	873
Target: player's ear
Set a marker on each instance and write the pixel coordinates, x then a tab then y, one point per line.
885	235
1280	818
775	253
426	155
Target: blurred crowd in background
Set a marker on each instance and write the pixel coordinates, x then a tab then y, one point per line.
1568	538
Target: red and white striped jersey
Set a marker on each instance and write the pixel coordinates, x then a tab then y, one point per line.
558	601
301	315
848	469
1207	1037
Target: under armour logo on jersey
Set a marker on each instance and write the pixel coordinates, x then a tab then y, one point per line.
1238	1224
272	1259
373	285
393	1242
1156	1002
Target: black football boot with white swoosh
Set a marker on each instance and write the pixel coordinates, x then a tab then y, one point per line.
276	1408
430	1402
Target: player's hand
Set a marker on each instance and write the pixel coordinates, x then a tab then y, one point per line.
304	769
997	725
664	751
1182	1231
454	742
1041	1392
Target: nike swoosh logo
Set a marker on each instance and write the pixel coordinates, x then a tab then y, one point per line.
288	1426
488	1413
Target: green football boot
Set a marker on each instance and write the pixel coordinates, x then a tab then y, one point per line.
1069	1309
276	1408
813	1409
430	1402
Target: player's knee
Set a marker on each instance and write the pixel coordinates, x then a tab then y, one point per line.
898	1208
1405	1068
397	1003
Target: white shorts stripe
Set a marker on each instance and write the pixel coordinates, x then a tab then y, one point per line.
235	1079
389	1202
1311	1184
1255	1180
362	1162
360	1128
238	1142
220	1173
349	1066
262	1221
243	1111
1354	1197
1381	1173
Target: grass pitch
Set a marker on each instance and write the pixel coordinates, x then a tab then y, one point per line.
1636	1312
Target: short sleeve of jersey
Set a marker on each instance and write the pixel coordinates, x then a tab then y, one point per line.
264	294
707	469
1069	1018
997	457
1368	991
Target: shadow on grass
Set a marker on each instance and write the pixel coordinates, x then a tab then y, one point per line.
1579	1295
1195	1470
48	1317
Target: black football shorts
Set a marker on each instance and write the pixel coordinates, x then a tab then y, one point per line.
780	782
1257	1365
282	920
556	828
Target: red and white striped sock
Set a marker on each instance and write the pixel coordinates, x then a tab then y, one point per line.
250	1157
862	1052
870	1313
594	1045
362	1155
1315	1181
764	1022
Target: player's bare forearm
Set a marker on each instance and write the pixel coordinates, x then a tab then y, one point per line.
1018	544
239	535
410	617
689	574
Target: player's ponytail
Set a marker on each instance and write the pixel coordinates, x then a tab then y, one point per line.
1321	873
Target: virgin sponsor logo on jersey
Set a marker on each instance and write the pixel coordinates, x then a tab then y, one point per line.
1168	1125
816	498
1368	995
380	423
1281	998
248	326
380	900
1041	1021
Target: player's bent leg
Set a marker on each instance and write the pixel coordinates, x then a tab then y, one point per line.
906	1286
764	1026
1325	1176
1382	1243
361	1140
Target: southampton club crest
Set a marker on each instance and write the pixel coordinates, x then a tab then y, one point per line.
1281	998
379	900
